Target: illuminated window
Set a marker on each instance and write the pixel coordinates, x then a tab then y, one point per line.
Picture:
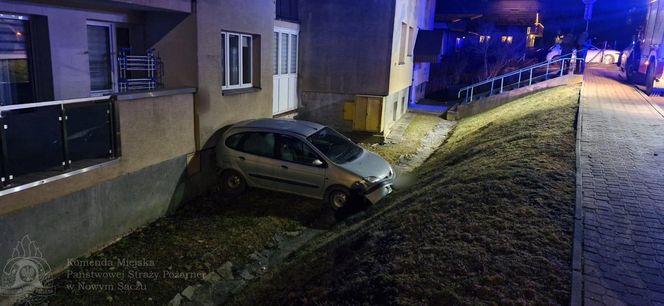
484	38
506	39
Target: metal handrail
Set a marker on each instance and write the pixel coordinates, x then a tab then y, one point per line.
4	108
470	89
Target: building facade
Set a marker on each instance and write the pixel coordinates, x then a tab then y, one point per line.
356	62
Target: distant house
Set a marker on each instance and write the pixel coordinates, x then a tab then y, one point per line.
460	24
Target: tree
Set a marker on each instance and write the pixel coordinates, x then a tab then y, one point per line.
499	51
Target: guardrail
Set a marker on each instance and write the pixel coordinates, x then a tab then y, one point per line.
46	139
516	79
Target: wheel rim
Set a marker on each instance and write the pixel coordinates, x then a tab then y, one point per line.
339	199
234	182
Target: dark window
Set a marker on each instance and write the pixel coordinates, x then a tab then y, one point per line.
15	80
261	144
287	10
293	150
25	76
99	53
234	141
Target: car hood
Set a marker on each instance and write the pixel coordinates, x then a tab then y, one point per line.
368	164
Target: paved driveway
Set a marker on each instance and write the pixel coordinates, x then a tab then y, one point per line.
622	166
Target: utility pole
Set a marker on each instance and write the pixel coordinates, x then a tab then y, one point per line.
589	11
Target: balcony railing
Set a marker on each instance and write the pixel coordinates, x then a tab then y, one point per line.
39	141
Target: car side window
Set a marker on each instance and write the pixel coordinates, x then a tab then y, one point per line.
293	150
234	141
258	143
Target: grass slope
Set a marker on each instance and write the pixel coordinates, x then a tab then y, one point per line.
488	222
409	142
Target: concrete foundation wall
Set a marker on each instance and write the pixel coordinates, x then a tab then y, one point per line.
468	109
78	223
396	105
214	109
326	108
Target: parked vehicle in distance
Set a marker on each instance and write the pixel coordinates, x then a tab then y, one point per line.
644	59
554	51
594	55
302	158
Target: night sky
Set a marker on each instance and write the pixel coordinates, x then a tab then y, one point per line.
614	21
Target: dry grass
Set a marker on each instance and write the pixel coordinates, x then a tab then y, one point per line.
199	238
416	130
488	222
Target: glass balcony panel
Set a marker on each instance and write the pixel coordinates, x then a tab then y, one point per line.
34	140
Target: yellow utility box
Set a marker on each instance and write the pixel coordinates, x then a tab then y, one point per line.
366	113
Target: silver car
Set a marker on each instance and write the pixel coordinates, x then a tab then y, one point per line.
303	158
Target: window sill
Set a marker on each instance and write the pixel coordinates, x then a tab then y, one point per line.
239	91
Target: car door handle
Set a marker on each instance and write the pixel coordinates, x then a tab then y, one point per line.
241	157
284	166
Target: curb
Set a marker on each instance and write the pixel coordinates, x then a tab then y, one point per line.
647	98
576	298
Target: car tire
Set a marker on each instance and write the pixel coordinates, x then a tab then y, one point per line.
233	183
630	72
338	198
650	78
609	60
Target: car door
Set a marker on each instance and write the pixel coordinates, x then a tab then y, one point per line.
256	158
298	170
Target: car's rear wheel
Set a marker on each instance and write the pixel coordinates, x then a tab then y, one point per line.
609	60
233	183
650	78
338	197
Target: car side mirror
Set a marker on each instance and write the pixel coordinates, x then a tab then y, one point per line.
317	163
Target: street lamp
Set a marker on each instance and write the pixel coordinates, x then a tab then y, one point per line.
589	11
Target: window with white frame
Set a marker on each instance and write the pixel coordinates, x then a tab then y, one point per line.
402	43
284	54
237	60
411	40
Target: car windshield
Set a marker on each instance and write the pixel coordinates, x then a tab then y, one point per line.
335	146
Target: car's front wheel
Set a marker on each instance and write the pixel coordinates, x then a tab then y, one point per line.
338	198
233	183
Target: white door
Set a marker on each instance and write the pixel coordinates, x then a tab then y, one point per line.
284	96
